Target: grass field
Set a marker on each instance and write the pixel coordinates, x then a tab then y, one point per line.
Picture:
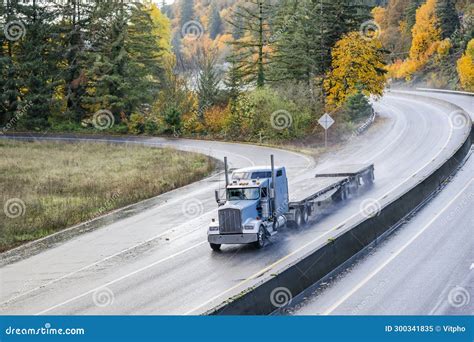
46	187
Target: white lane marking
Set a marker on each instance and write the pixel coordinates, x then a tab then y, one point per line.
394	141
320	236
396	254
122	278
51	282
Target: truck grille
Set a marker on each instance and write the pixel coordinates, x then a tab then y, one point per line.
230	221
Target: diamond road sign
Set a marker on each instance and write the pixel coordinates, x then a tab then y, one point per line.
326	121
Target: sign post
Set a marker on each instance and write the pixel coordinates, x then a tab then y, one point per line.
326	121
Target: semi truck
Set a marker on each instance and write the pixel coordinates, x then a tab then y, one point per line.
257	202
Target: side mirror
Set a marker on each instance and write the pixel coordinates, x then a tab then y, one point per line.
216	194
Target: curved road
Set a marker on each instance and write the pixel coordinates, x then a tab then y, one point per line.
425	267
158	261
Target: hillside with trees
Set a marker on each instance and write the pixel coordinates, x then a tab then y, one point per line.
255	70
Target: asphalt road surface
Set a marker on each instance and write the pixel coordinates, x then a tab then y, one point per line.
425	267
158	261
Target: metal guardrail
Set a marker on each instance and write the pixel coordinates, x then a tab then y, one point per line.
367	124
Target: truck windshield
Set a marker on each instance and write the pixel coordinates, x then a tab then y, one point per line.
243	194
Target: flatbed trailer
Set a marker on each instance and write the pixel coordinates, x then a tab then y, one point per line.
335	184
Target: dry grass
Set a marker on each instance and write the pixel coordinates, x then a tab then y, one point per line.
64	184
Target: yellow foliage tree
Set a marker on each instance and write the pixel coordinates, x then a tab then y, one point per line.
426	32
465	66
426	41
162	30
356	62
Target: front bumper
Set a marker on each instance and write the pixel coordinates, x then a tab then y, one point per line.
232	239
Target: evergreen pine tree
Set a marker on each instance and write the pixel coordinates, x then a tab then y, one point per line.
38	57
208	82
215	22
305	33
8	74
186	12
233	81
447	17
253	19
410	13
74	27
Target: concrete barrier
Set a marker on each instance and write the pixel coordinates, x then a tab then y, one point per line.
455	92
335	252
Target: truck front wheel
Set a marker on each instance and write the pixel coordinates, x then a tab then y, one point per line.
260	243
215	247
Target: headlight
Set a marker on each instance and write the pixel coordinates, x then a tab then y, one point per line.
248	227
213	229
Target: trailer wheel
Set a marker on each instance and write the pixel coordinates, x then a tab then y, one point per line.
260	243
369	179
215	247
298	218
305	215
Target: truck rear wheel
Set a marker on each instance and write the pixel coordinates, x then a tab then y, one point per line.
306	214
298	218
260	243
215	247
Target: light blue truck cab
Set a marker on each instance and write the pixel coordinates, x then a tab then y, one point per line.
253	209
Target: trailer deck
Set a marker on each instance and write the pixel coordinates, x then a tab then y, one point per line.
328	180
347	170
309	189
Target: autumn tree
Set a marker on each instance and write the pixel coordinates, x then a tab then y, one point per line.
357	64
465	67
425	32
